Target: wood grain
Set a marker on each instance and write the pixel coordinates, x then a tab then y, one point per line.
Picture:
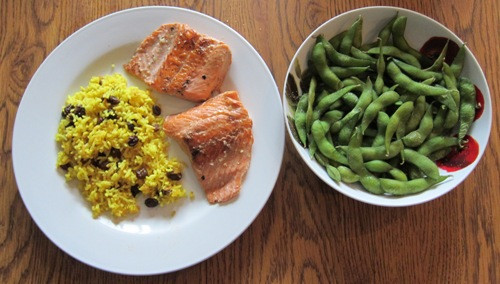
307	232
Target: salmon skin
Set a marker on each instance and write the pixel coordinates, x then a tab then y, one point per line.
177	60
217	135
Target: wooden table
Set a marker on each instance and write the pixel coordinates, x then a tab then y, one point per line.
307	232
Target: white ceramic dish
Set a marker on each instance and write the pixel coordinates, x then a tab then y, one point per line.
153	242
419	29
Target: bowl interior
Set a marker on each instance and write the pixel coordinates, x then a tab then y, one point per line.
419	29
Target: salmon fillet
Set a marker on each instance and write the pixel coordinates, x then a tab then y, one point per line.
177	60
217	135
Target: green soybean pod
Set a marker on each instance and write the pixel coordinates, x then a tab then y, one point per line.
350	99
319	130
451	83
439	154
393	51
438	63
357	53
437	143
332	116
399	40
336	105
417	73
323	94
386	31
467	107
335	40
398	118
438	122
347	175
321	159
417	114
443	95
382	121
414	172
352	36
380	152
343	60
398	174
384	34
311	95
354	81
355	159
386	99
378	166
458	62
346	72
313	146
300	119
330	99
418	136
364	100
422	162
345	133
379	81
320	63
429	81
333	173
396	187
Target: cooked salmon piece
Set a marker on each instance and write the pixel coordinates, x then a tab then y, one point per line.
217	136
177	60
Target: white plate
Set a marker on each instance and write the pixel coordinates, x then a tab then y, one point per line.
153	242
420	28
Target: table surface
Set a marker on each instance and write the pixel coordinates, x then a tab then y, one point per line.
306	231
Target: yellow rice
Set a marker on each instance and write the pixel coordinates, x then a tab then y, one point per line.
87	138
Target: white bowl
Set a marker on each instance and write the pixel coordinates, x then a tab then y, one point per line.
420	28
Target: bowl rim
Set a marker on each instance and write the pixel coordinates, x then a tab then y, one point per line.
387	201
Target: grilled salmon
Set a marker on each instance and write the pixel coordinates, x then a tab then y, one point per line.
177	60
217	135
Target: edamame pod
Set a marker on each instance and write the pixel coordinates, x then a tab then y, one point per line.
386	99
300	119
443	95
328	100
399	117
437	143
353	36
347	175
438	63
382	121
399	40
319	130
458	62
327	75
417	114
310	101
422	162
333	173
467	107
397	187
417	73
355	158
363	102
380	152
417	137
451	84
393	51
